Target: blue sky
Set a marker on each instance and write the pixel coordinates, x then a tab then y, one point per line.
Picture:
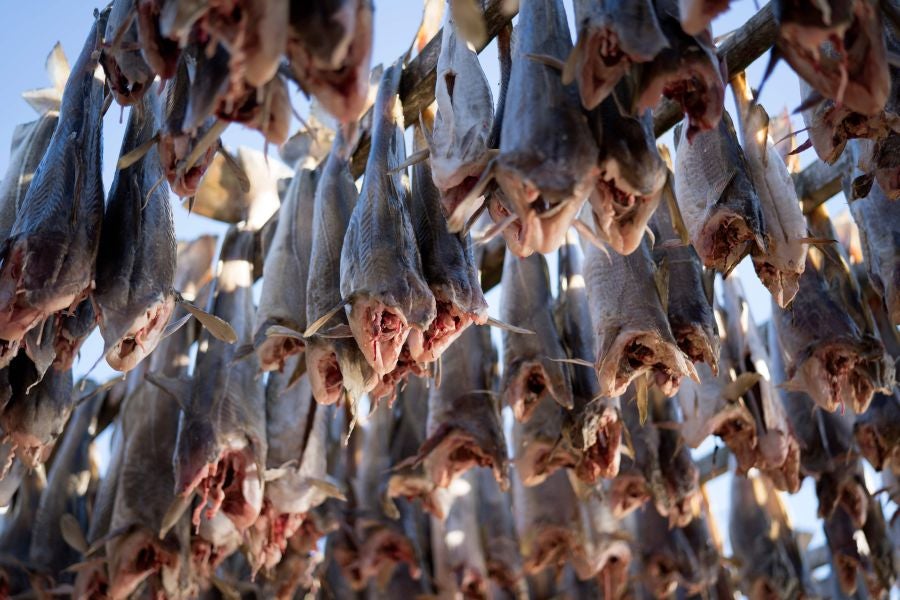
30	29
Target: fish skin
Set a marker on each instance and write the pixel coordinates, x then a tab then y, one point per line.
697	15
177	139
612	35
676	495
127	71
145	491
48	258
687	71
460	567
717	198
283	298
18	530
134	296
498	533
632	173
73	330
222	427
464	427
462	124
547	159
593	426
531	368
66	492
639	472
602	550
780	265
448	265
877	432
777	449
547	522
295	431
539	445
328	358
853	67
34	419
381	270
878	219
770	564
329	48
630	323
688	306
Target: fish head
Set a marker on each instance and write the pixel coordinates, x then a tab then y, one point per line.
174	147
530	382
449	322
661	575
273	351
512	232
383	549
133	558
127	72
548	547
160	51
325	376
141	333
20	314
601	455
380	330
234	484
629	491
196	453
620	216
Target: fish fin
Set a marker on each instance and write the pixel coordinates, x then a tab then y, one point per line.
811	101
179	389
283	331
280	471
174	326
571	64
203	144
507	327
661	281
641	397
456	220
547	60
627	447
219	328
413	159
329	488
774	57
179	505
792	385
111	535
338	332
318	323
84	564
299	371
242	352
133	156
43	100
237	170
494	230
57	67
587	232
804	146
573	361
72	533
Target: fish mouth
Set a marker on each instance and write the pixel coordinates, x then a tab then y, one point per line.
680	512
472	583
540	459
724	240
527	388
699	91
780	459
737	428
633	354
232	485
143	556
662	576
628	492
380	331
621	216
602	65
458	452
382	550
833	375
274	529
614	574
126	92
325	375
512	233
142	337
412	485
455	192
551	547
871	446
601	457
274	351
173	150
846	567
448	324
695	342
386	388
783	285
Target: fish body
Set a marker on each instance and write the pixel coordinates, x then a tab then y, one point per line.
381	270
127	71
220	450
547	161
612	35
498	533
593	426
134	296
464	427
877	432
687	70
282	302
633	333
333	364
540	448
48	258
547	522
462	124
533	370
448	265
460	563
330	48
717	198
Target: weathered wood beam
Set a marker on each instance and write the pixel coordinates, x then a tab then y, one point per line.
737	51
420	75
